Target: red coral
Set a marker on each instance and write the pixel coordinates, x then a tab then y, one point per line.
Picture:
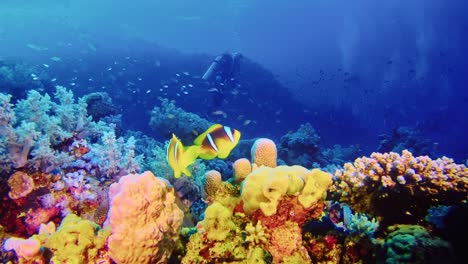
289	209
330	241
36	217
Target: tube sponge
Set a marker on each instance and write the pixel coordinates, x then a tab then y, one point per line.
144	219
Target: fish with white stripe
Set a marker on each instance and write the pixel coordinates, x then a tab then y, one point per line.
216	142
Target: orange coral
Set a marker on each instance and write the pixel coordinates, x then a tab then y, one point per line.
143	217
384	183
242	168
20	184
286	240
264	152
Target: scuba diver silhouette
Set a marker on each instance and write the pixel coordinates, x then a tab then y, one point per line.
222	75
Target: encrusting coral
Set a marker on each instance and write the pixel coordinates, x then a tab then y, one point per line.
21	184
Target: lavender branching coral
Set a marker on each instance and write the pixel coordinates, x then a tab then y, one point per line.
35	129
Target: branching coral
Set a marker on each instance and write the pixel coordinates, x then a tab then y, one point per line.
36	131
114	156
256	234
400	188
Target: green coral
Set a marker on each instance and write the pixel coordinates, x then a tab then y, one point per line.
363	226
413	244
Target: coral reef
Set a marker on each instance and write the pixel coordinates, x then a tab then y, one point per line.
99	105
63	162
242	168
20	185
370	185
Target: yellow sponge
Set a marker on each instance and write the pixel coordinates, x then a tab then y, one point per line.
76	241
316	186
218	223
265	186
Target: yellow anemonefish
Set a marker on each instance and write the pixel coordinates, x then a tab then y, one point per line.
180	157
217	141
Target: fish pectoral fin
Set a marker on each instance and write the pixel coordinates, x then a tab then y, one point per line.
177	173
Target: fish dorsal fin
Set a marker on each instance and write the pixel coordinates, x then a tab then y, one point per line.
199	140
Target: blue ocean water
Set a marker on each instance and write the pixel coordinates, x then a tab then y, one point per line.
327	80
354	70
